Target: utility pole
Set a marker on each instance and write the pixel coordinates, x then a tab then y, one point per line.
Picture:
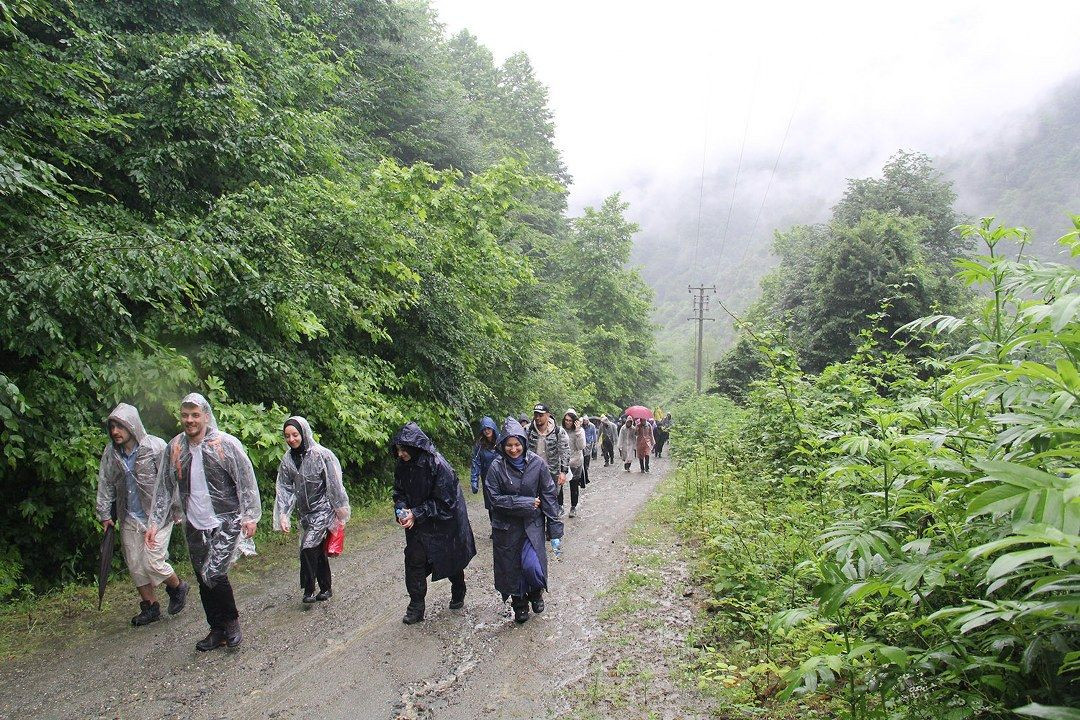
701	306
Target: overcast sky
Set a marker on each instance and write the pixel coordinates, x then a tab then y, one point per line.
641	92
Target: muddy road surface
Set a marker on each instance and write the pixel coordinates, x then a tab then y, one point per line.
352	657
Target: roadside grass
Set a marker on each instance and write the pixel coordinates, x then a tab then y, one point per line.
69	614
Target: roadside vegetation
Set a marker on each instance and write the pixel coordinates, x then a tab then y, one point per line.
896	536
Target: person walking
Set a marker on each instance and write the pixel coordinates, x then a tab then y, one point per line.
591	436
309	480
644	443
550	441
663	432
430	506
484	451
576	437
609	435
524	511
627	443
127	477
220	499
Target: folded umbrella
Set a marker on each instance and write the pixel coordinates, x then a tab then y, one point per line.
107	543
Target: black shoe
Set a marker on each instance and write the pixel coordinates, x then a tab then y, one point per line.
177	597
215	639
537	604
233	636
521	614
573	511
413	614
325	595
457	601
310	597
148	612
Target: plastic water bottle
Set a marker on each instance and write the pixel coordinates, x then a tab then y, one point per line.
556	545
401	513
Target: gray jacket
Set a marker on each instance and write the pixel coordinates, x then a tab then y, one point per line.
555	446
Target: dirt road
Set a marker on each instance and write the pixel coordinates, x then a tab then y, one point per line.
352	657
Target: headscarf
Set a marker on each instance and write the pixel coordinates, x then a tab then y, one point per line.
297	453
512	428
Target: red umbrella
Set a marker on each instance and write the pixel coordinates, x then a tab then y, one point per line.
639	412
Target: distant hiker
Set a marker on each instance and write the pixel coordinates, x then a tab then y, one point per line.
524	513
609	435
549	441
576	436
627	443
127	476
644	443
220	499
484	451
430	506
309	480
592	434
663	432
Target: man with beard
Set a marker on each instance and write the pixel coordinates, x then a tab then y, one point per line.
220	501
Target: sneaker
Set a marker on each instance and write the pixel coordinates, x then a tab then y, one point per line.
310	597
457	603
325	595
148	612
177	597
573	510
233	636
215	639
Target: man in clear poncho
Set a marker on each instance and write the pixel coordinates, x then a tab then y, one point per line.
127	477
309	481
220	500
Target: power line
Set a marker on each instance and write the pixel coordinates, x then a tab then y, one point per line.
738	169
701	186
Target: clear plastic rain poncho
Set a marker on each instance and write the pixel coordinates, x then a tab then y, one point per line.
313	488
233	493
112	472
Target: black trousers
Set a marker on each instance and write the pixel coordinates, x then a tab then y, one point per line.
575	490
314	567
417	569
607	448
218	602
585	472
643	461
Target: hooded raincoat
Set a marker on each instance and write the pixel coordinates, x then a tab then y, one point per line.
234	495
314	489
645	438
627	442
481	459
112	473
513	517
428	486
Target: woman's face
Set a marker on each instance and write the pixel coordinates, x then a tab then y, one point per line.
513	448
403	453
489	434
567	421
293	437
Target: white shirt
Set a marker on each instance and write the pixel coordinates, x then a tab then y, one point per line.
200	511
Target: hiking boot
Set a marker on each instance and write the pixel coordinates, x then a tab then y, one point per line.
310	597
521	613
457	601
413	614
177	597
537	603
215	639
573	510
148	612
233	636
325	595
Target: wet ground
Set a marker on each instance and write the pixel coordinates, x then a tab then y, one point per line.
352	657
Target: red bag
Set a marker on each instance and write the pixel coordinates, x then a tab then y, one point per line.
335	541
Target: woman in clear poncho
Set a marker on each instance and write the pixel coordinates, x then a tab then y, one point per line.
309	480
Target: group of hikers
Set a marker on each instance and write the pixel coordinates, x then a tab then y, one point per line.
203	480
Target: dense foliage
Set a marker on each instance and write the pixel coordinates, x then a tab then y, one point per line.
321	207
891	236
897	536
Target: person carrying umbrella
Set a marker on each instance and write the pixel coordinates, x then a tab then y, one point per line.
524	509
220	498
127	476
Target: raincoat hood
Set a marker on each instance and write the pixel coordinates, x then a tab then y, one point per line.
411	435
487	422
307	438
128	416
512	428
197	399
